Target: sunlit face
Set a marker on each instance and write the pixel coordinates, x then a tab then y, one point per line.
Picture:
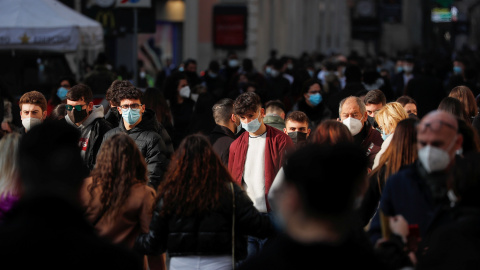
372	109
350	108
410	108
32	111
292	126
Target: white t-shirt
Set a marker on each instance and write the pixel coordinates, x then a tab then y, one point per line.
254	172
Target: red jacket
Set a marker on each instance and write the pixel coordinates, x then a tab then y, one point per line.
276	145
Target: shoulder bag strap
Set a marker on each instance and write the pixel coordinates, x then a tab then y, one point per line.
233	226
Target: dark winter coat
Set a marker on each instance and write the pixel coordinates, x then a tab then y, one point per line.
208	234
145	134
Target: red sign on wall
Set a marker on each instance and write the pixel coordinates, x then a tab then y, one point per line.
229	27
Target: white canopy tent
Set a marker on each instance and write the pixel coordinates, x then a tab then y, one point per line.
46	25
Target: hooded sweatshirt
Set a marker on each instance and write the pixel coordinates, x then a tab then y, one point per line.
86	127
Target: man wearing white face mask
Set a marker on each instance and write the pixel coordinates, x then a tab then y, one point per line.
353	114
256	156
418	190
33	109
226	129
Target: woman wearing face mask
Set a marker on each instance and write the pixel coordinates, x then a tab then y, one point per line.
401	151
312	102
387	119
178	94
59	93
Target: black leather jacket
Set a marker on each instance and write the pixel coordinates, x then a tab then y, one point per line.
209	234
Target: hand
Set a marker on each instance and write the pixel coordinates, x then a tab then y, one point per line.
399	226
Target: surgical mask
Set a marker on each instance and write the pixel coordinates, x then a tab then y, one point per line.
77	116
457	70
130	115
181	69
233	63
212	75
452	197
239	127
253	125
268	70
28	123
385	136
62	93
315	99
274	73
297	136
372	121
353	124
399	69
434	159
290	66
311	73
185	91
408	69
143	74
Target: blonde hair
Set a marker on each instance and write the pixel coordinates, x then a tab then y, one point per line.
9	174
389	116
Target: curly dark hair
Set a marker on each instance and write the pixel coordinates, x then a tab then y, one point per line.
128	93
247	102
116	85
119	166
196	179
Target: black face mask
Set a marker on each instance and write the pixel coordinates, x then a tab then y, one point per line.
372	122
298	137
77	116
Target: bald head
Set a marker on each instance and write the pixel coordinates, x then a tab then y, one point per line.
439	129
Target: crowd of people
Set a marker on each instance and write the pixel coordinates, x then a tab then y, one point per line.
359	162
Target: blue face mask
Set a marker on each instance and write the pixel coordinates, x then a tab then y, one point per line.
315	99
385	136
399	69
253	125
311	73
457	70
62	93
130	115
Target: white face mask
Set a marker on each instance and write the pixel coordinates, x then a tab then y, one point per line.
185	91
28	123
353	124
239	127
434	159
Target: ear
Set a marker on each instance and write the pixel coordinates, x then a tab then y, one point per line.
143	109
119	109
308	132
282	115
459	142
233	118
262	112
285	131
90	106
44	115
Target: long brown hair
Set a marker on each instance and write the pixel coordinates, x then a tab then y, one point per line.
119	166
331	132
401	151
195	180
465	95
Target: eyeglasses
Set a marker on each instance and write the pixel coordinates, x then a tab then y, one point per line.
77	107
132	106
434	126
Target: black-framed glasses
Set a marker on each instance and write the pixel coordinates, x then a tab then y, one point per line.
77	107
132	106
434	126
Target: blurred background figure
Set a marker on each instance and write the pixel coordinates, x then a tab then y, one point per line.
10	187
